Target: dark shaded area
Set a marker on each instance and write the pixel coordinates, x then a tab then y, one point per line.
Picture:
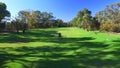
14	37
118	40
39	35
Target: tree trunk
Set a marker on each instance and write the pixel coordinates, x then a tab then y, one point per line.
17	30
23	31
59	35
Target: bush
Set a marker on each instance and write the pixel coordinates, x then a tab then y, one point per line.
107	27
116	28
110	27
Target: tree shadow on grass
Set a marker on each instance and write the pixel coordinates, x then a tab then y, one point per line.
81	55
41	33
39	36
117	40
62	40
67	53
27	37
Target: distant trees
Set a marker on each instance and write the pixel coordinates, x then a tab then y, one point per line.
22	21
110	18
110	14
85	20
105	20
46	20
17	24
58	23
3	13
34	19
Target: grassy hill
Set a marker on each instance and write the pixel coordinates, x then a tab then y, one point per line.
42	48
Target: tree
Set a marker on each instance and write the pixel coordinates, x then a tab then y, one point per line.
23	18
17	24
43	19
95	24
58	23
86	22
2	26
38	16
83	19
3	13
74	22
46	19
110	15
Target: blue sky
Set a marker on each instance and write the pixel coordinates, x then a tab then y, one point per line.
63	9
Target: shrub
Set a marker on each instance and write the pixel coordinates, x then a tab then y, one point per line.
110	27
116	28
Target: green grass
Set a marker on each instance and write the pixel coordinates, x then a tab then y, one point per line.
41	48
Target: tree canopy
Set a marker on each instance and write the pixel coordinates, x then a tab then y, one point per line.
84	20
3	11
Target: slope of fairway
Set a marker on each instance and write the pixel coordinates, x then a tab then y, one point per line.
42	48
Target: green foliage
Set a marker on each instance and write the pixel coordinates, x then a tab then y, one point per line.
3	11
58	23
105	20
95	24
110	14
110	18
85	20
38	19
110	27
116	28
107	27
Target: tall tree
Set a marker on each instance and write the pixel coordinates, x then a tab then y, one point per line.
59	23
38	16
46	19
109	18
83	19
86	23
3	13
111	14
17	24
23	16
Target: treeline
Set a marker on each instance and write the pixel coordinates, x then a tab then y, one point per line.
27	19
36	19
105	20
85	20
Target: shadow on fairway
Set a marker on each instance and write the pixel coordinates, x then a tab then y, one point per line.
39	36
67	53
76	55
27	37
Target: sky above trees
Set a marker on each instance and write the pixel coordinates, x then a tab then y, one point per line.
63	9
